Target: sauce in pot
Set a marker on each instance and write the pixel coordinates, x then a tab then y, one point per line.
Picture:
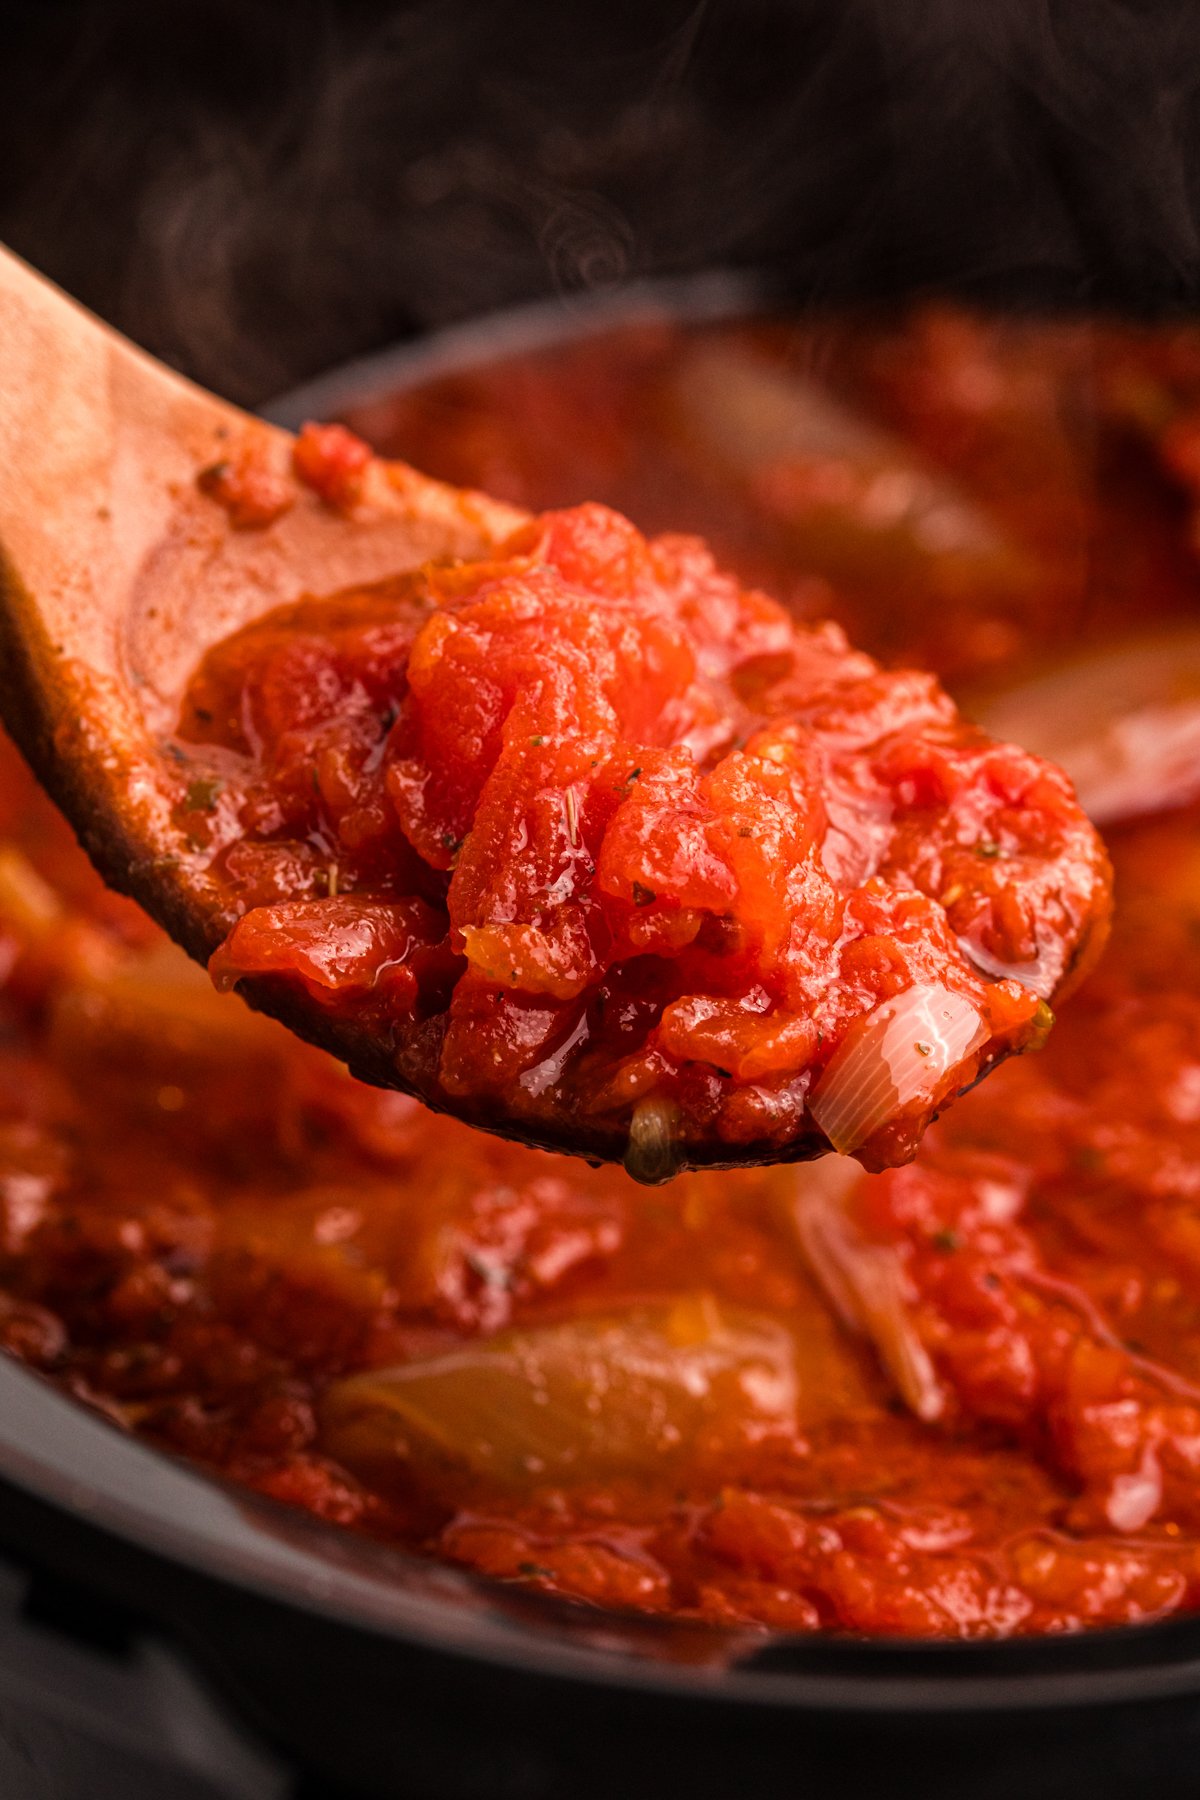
959	1398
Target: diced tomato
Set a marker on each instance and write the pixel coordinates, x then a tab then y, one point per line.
601	761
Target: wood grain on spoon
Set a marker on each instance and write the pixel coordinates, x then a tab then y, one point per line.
694	884
116	574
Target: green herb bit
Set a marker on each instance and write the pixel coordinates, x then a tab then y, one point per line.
201	795
643	896
1043	1024
1088	1159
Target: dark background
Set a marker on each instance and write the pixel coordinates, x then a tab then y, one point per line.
258	188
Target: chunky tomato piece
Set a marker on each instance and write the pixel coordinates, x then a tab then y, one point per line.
333	462
605	768
249	482
351	947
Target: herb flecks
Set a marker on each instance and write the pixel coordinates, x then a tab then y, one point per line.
202	793
1043	1024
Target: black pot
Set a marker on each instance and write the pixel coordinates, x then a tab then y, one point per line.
166	1635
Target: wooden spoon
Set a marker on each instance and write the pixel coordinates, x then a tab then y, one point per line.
116	574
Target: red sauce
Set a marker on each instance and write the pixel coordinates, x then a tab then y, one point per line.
960	1398
614	840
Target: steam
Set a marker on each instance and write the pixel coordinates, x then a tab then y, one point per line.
258	191
1058	145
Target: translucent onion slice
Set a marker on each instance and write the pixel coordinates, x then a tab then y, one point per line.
865	1283
749	412
25	899
1124	722
899	1053
1041	976
589	1399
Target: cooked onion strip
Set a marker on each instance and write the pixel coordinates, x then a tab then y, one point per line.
865	1283
1124	722
26	900
749	413
1041	976
589	1399
901	1052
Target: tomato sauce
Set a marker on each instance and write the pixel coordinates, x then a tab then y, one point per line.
959	1398
591	833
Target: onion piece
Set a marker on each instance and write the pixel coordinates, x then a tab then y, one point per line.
901	1052
26	900
1041	976
748	413
1133	1499
1124	722
865	1283
586	1400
